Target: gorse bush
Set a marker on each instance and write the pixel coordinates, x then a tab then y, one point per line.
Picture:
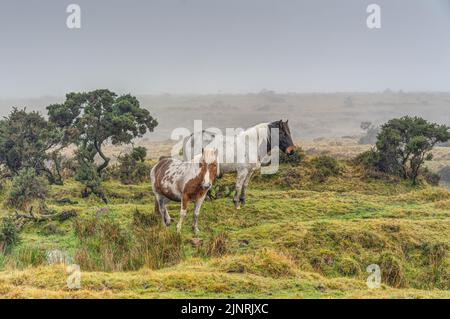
132	168
295	158
291	177
108	246
87	175
220	190
323	167
28	191
9	235
368	159
403	145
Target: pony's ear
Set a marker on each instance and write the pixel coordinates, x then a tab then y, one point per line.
287	121
203	150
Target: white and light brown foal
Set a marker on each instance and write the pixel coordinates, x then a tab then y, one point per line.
175	180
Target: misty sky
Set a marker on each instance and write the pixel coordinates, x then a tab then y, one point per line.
228	46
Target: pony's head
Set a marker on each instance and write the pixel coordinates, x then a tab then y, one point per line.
285	140
208	165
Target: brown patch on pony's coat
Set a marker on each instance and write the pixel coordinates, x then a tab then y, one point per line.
193	189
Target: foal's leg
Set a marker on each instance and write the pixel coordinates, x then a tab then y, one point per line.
240	178
160	208
198	204
164	211
244	187
183	210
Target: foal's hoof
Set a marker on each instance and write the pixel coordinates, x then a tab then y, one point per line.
167	221
242	200
195	230
237	205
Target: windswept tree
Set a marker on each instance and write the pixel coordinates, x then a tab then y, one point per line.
92	119
28	140
404	144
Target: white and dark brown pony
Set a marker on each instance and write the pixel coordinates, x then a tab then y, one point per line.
246	167
180	181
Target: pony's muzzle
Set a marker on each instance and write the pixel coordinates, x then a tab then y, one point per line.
206	185
290	149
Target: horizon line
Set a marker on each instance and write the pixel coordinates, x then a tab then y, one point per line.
261	92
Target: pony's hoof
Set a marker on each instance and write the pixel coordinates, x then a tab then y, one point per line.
178	229
242	200
238	207
195	230
167	222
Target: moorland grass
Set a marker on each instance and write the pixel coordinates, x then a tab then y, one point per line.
298	236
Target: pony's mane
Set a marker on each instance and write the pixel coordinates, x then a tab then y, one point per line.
261	127
208	154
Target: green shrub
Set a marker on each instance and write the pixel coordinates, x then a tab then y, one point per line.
295	158
405	144
324	167
28	191
349	267
87	175
220	190
9	235
368	159
322	259
132	168
290	177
